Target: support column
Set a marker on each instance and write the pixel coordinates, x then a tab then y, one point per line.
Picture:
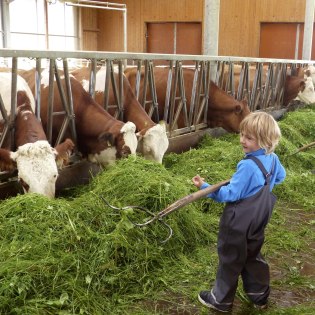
211	27
211	31
308	30
5	17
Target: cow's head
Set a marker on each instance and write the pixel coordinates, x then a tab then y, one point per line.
224	110
104	151
306	91
240	111
153	142
229	118
36	164
110	147
126	141
310	72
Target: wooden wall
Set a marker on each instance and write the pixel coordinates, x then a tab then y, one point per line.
90	30
240	23
239	33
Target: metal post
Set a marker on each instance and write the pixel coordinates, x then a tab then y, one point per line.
211	30
5	17
308	29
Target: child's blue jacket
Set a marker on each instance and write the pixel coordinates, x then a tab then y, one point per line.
248	178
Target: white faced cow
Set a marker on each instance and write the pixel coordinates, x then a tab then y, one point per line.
100	137
152	138
307	93
300	89
34	158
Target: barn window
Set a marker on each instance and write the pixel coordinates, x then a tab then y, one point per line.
1	28
48	24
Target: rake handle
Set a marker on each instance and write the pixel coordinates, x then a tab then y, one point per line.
190	198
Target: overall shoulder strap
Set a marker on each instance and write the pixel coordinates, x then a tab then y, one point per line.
260	165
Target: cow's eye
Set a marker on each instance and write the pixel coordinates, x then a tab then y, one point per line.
24	184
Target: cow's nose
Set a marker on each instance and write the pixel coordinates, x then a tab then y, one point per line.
125	151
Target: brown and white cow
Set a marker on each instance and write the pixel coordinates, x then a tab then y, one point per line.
34	158
152	138
100	137
223	110
300	89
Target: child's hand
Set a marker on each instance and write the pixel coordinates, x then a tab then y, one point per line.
198	181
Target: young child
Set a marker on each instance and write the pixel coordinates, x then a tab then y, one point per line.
249	204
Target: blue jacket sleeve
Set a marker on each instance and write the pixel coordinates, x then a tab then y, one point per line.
242	183
248	179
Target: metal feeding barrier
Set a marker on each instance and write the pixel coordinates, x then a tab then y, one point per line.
158	217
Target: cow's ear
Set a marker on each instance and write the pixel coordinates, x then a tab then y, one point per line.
107	137
63	152
7	160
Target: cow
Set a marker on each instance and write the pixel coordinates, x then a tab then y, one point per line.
152	138
310	72
297	85
101	138
298	90
34	158
223	110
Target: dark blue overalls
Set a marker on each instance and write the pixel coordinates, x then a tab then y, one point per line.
240	239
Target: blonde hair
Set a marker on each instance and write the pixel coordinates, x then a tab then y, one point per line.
263	128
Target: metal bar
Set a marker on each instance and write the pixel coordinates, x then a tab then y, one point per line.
115	90
138	79
193	99
92	81
257	87
93	6
103	3
145	83
107	82
196	89
50	100
204	82
65	103
168	91
69	107
37	87
207	91
173	97
267	86
13	101
182	104
6	124
154	112
217	76
232	84
10	53
121	91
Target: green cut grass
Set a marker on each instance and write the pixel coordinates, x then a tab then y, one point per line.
78	255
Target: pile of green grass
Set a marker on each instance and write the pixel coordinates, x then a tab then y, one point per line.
81	256
298	129
77	255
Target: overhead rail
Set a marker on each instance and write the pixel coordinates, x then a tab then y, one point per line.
20	53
